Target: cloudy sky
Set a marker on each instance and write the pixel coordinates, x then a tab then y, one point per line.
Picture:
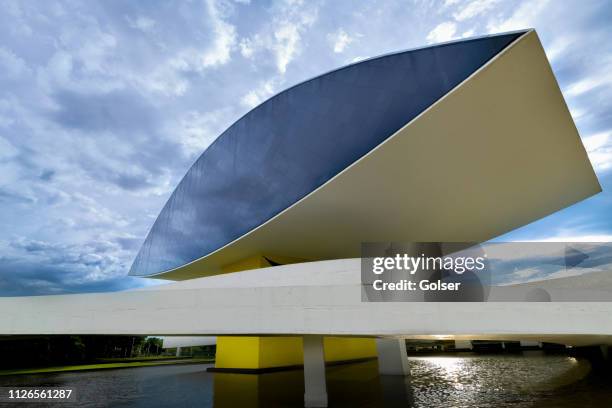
104	105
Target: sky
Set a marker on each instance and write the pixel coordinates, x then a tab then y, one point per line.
104	105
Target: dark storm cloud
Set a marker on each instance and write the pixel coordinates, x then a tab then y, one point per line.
47	175
13	198
22	278
104	105
129	243
132	182
116	111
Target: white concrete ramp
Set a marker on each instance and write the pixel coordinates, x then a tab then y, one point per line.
308	298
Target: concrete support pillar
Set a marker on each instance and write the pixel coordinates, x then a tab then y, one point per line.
315	388
178	351
598	356
463	345
605	352
392	357
396	391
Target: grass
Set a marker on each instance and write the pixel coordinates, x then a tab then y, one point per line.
138	359
106	366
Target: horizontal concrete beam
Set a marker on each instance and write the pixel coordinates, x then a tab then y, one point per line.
309	298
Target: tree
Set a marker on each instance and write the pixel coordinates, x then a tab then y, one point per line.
153	345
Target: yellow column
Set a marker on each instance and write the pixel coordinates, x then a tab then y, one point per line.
260	354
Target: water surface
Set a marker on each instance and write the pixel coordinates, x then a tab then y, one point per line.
528	379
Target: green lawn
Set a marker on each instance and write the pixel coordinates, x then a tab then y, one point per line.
137	359
105	366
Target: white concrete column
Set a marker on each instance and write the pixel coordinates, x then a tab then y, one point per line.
315	388
463	345
178	351
392	357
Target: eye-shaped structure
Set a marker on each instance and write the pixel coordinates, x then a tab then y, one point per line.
460	141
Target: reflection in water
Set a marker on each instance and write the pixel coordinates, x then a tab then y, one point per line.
493	380
531	379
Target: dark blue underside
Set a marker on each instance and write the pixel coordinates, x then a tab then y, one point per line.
296	141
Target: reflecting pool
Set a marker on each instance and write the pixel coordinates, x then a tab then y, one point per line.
528	379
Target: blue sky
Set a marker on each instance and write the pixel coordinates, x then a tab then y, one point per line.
104	106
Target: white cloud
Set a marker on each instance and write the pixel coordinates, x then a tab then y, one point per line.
248	46
7	150
357	59
7	112
522	276
58	69
185	71
523	17
557	47
88	58
93	213
91	46
88	184
468	33
576	113
565	273
526	273
84	60
225	38
167	78
599	148
339	40
570	272
474	8
11	65
259	94
595	80
569	237
287	38
142	23
95	55
251	99
442	32
197	130
283	37
582	86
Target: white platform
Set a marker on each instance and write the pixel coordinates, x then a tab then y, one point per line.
308	298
